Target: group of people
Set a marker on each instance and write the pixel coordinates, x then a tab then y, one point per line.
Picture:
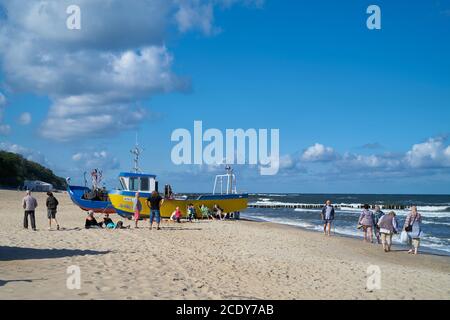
30	204
383	226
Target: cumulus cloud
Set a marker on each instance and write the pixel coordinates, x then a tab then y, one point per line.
25	118
27	153
427	157
102	71
4	128
96	160
430	154
319	153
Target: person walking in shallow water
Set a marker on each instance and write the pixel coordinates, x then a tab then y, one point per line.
29	204
413	226
388	227
366	223
377	215
327	215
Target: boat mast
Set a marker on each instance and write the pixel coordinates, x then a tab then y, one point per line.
136	151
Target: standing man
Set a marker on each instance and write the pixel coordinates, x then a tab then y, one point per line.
52	206
154	202
328	213
29	205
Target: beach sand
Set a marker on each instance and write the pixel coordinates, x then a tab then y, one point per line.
204	260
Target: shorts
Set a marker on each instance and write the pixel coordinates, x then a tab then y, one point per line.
328	221
155	215
51	213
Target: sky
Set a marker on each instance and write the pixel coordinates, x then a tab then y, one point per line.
358	110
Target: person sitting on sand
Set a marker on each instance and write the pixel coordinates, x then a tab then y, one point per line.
52	207
176	215
137	209
91	222
109	223
191	212
366	223
388	227
377	215
218	212
328	213
413	226
206	213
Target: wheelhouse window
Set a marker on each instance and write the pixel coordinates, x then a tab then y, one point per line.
124	183
145	185
134	184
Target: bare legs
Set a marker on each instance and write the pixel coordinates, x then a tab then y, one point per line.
368	234
327	229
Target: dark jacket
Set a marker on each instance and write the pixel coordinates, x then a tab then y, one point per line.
52	203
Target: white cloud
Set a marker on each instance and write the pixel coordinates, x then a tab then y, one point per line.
318	153
96	160
432	153
27	153
116	60
25	118
4	128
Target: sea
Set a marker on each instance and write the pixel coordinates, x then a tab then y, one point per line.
435	210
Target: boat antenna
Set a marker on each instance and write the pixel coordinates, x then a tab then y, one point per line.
136	151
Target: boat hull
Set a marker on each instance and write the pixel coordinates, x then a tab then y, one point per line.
76	195
122	201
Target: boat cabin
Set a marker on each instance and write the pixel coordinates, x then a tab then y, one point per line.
138	182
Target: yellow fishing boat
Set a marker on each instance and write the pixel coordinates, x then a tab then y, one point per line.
224	195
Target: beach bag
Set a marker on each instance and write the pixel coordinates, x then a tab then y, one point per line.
404	238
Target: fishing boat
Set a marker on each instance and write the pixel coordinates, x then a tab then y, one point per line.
95	198
224	194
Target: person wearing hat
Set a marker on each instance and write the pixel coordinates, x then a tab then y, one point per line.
52	206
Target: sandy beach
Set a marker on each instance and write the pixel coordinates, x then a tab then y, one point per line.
203	260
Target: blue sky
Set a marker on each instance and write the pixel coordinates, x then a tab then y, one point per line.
358	110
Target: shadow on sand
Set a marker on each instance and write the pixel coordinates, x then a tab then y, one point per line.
17	253
5	282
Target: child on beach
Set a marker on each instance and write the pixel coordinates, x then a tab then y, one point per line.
176	215
327	216
191	212
52	206
414	229
366	223
137	208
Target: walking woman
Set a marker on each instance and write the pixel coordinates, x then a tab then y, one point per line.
388	227
366	222
413	226
137	208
